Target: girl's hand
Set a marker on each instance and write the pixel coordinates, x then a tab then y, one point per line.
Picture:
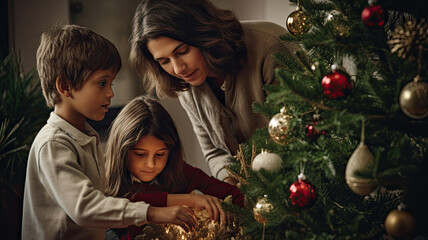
213	206
179	215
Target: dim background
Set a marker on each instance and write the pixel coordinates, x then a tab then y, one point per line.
23	21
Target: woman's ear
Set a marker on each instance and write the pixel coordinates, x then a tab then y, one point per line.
63	87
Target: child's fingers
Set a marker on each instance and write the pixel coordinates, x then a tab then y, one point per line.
187	220
216	206
223	213
207	205
229	218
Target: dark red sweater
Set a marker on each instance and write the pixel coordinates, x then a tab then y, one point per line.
196	179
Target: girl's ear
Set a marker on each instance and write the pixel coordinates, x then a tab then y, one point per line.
63	87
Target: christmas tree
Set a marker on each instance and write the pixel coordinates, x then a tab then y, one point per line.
345	155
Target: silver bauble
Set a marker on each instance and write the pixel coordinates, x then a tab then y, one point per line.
269	161
361	160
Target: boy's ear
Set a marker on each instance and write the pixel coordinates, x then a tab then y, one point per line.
63	87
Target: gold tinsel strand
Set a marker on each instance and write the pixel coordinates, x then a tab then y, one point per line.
240	156
244	166
208	230
405	40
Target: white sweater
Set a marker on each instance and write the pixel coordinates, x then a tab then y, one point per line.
63	197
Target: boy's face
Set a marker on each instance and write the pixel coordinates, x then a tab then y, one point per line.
147	158
93	98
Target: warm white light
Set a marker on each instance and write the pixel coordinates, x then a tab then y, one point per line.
407	95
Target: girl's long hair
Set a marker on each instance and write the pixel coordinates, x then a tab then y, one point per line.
216	32
141	117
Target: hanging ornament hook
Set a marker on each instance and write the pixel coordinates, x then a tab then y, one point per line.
362	132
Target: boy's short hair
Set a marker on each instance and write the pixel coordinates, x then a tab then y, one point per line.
72	53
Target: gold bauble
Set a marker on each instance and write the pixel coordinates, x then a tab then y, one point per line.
341	28
340	25
262	207
298	22
279	126
361	161
414	99
399	223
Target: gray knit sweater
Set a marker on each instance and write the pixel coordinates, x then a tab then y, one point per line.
219	128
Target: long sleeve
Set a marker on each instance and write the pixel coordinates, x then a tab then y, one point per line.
196	179
220	129
63	196
150	194
199	180
216	153
75	193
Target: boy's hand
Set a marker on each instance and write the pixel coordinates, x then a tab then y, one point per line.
179	215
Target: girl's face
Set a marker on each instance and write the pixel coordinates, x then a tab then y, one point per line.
147	158
180	60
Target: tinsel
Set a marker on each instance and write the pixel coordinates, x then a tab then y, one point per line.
244	166
208	230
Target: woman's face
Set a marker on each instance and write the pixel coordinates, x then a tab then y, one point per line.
147	158
180	60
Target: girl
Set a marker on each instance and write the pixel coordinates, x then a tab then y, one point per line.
216	65
144	161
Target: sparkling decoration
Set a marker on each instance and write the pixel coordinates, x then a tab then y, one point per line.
262	207
208	230
361	161
373	15
399	223
406	40
279	127
336	84
340	25
269	161
311	132
298	22
302	193
242	175
414	99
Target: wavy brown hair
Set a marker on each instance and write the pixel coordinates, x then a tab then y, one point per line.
141	117
198	23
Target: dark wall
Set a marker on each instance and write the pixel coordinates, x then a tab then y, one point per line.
4	28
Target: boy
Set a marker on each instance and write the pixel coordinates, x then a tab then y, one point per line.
63	196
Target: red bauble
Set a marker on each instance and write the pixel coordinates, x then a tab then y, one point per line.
302	193
311	132
336	85
373	16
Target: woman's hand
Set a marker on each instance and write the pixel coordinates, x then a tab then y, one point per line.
179	215
231	181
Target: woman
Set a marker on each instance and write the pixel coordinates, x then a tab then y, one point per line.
213	63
